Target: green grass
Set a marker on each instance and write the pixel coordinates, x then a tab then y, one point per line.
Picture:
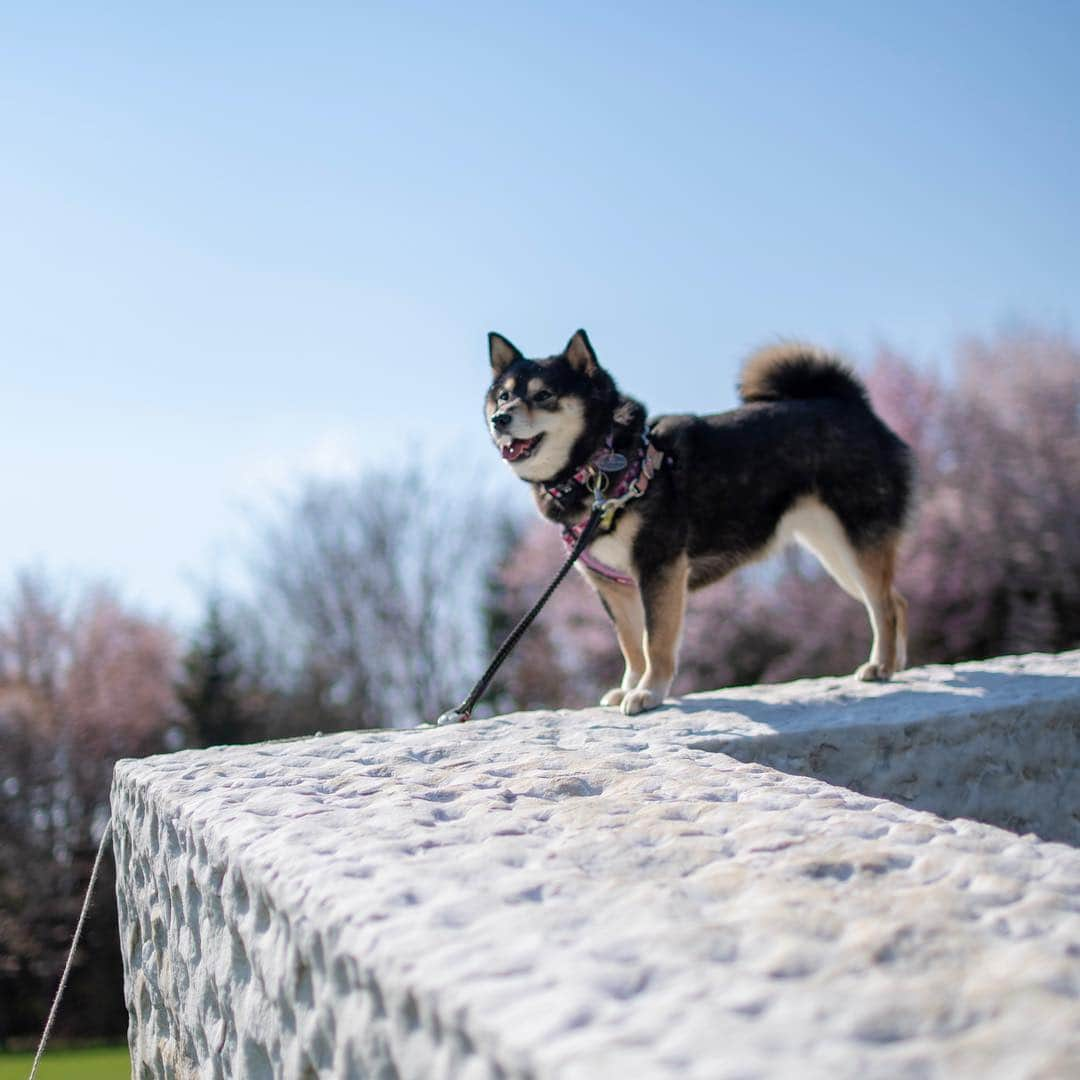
98	1063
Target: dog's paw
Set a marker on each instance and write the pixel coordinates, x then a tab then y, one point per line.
614	696
639	700
871	672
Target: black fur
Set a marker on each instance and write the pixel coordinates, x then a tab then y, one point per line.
736	474
733	475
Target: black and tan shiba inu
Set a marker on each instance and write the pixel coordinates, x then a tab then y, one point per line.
804	458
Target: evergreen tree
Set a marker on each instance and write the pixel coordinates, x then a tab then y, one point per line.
211	690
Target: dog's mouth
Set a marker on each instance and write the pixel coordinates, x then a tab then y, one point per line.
519	449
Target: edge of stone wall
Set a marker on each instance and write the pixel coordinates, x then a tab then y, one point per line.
412	903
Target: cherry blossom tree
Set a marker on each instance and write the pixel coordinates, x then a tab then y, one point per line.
81	684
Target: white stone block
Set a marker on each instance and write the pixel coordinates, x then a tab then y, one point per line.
583	894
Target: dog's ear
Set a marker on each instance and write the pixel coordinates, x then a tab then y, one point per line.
579	354
501	353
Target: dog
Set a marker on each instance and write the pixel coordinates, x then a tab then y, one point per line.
804	458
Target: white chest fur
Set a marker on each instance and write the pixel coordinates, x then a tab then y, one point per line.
614	548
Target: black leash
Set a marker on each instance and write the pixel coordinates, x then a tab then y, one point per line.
464	711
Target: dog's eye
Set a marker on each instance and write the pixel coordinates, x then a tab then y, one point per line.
504	395
542	396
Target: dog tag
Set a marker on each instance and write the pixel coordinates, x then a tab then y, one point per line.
612	463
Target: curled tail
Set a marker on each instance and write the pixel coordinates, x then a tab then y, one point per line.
792	370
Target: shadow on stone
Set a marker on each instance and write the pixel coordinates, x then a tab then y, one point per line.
1003	748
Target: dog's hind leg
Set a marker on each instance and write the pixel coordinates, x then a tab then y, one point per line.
866	575
663	594
888	611
816	528
900	604
623	605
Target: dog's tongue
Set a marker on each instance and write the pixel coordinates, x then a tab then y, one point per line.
515	448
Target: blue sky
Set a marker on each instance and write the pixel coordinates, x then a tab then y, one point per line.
244	242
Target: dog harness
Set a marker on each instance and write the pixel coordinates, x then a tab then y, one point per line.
593	475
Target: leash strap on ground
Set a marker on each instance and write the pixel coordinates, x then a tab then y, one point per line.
464	710
71	952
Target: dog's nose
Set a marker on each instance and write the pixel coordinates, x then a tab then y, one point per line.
501	421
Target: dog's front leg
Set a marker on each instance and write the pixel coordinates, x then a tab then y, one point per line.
663	595
623	605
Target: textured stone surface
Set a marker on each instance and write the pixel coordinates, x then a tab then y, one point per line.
589	895
998	741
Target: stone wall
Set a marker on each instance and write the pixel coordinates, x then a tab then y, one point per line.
583	894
